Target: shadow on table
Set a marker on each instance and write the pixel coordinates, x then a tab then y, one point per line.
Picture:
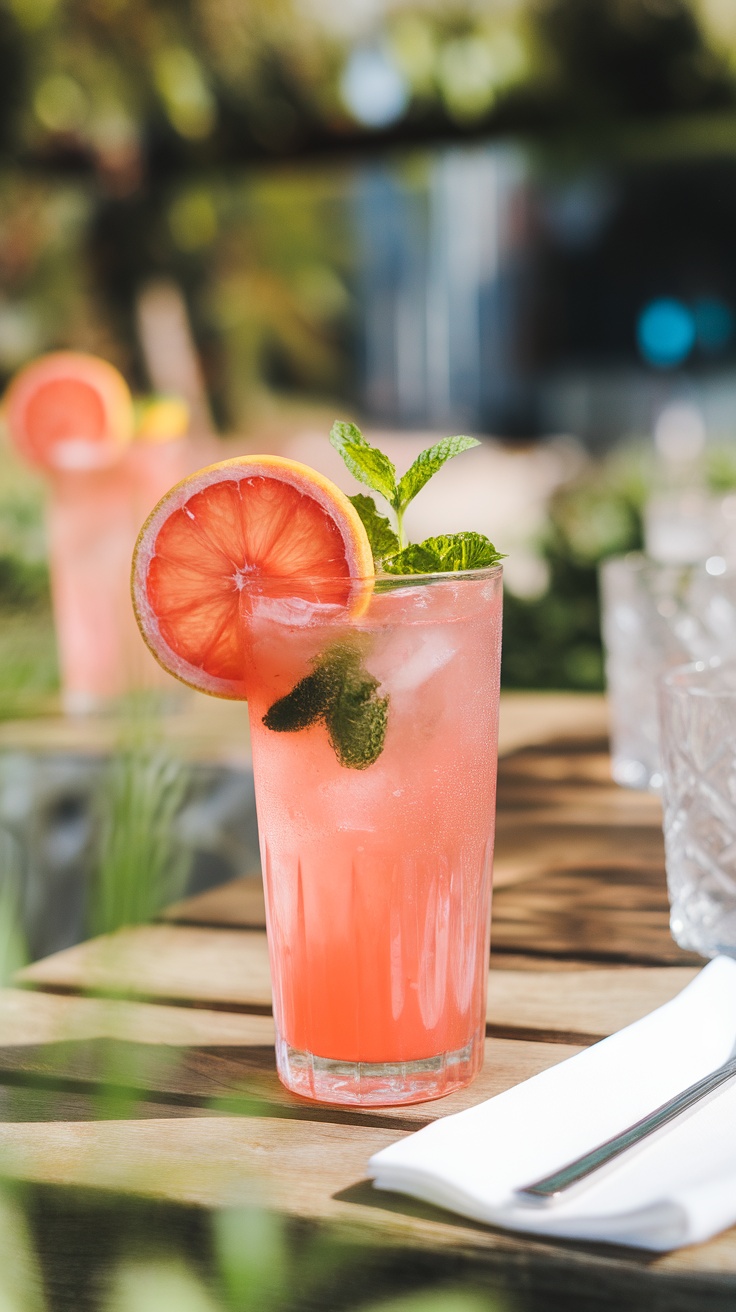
117	1079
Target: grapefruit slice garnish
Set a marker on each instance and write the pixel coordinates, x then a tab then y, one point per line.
69	411
257	523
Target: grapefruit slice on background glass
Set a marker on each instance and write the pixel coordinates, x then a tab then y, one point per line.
69	411
260	519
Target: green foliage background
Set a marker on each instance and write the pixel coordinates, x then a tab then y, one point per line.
197	139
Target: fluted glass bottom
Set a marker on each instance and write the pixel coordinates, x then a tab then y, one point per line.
377	1084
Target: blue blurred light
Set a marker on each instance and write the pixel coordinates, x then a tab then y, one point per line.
665	332
714	324
373	88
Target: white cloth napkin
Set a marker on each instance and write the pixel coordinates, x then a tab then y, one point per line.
678	1188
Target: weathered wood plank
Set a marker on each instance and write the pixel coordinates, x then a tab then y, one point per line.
580	872
200	966
317	1172
29	1017
241	1079
201	729
533	718
561	784
238	904
607	915
526	852
229	968
590	1003
563	899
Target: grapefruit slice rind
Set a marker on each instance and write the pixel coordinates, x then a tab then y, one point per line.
70	411
255	522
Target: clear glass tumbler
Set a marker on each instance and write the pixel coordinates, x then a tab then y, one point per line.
656	616
374	738
698	718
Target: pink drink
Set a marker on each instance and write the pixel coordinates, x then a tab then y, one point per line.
378	879
94	517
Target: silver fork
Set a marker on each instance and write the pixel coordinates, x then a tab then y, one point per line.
551	1188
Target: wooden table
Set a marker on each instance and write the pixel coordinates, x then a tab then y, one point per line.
177	1015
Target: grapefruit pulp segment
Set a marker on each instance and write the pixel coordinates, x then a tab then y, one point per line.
264	520
70	411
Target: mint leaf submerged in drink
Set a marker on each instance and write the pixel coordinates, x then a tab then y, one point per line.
342	694
447	554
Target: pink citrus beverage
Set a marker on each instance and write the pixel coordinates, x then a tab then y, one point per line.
93	519
377	864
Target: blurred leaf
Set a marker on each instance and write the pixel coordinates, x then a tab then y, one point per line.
254	1259
21	1276
720	464
13	949
141	866
159	1285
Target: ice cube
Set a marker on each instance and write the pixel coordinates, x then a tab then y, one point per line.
405	670
298	612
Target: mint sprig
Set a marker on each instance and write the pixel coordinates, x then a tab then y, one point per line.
447	554
340	693
372	467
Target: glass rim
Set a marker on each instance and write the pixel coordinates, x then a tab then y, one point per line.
440	576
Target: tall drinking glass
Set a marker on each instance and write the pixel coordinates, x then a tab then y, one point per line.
376	826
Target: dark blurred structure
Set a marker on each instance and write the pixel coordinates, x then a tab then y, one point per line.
503	216
321	181
442	273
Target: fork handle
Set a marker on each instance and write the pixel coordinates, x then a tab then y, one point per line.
551	1188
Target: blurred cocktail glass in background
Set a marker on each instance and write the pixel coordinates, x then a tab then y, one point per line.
72	416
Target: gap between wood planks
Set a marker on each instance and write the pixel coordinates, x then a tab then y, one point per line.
226	970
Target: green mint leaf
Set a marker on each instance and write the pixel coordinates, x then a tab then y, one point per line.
450	553
381	536
415	559
365	462
427	464
304	705
341	693
461	551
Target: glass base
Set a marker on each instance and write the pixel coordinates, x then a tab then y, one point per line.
707	935
377	1084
